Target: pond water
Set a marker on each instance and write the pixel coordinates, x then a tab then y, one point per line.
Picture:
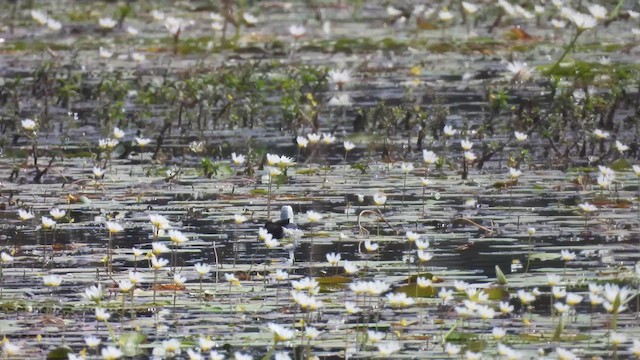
493	222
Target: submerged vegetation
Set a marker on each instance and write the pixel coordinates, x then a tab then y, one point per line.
463	177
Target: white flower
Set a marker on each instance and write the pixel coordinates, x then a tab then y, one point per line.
281	355
379	199
52	280
281	275
469	156
448	130
452	350
28	215
53	24
177	237
111	353
600	134
158	263
520	136
107	23
520	71
422	244
445	295
565	354
387	349
617	338
280	333
135	277
341	99
525	297
238	159
424	256
469	8
313	216
57	213
485	312
553	279
598	11
118	133
514	173
328	138
39	16
232	279
311	333
466	144
249	19
505	308
239	219
445	15
273	171
142	141
621	147
560	307
429	157
214	355
132	31
587	208
573	299
399	300
114	227
567	255
313	138
339	77
102	314
350	268
297	31
159	221
635	349
179	279
333	258
173	25
138	57
98	172
157	15
6	258
406	167
205	344
29	125
171	346
470	355
270	242
423	282
93	293
10	350
125	285
583	21
302	142
158	248
348	146
370	246
498	333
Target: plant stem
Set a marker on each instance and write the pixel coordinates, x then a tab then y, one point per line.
269	198
566	51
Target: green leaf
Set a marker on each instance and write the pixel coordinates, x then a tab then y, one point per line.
500	278
130	343
415	291
497	293
60	353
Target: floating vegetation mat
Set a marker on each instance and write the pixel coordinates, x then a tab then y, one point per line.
319	179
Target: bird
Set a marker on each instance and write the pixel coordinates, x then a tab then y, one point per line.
276	228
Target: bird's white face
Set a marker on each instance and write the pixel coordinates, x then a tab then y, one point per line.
286	213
